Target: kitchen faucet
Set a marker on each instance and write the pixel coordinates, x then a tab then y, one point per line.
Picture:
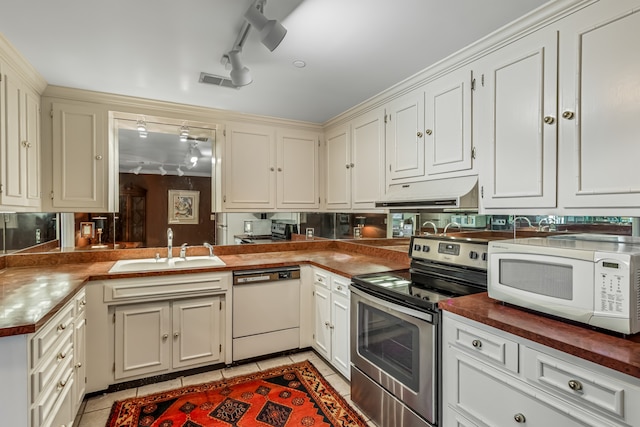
551	224
446	227
435	228
523	218
210	247
183	251
169	243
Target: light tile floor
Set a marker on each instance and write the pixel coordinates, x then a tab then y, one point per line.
95	410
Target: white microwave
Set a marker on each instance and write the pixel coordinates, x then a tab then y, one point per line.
591	279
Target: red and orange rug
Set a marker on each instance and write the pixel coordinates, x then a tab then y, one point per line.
287	396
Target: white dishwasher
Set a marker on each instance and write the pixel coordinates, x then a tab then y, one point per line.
266	311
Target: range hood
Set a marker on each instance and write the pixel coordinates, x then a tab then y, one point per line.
450	194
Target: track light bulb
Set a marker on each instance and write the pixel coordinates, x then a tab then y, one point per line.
271	31
162	170
240	75
179	171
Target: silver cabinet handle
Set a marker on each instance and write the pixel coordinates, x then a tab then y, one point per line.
176	334
272	168
428	131
164	337
79	365
61	384
419	134
326	324
339	288
61	356
61	327
549	120
98	157
520	418
476	343
352	165
575	385
279	169
568	115
347	166
331	326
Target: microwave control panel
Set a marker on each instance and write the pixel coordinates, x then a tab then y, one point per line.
612	283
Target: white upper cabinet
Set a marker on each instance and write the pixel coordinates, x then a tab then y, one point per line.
448	134
354	161
516	97
298	175
367	159
249	168
600	108
267	168
83	170
404	138
19	142
338	159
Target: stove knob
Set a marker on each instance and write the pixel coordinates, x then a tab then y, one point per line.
473	255
425	248
484	256
416	248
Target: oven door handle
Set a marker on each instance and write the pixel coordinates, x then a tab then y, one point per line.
422	315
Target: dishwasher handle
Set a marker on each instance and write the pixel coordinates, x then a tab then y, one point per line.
266	275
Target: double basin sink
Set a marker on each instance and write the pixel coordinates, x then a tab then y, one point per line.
161	264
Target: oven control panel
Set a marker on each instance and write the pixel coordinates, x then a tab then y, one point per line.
449	250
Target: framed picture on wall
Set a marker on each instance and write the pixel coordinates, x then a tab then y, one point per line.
183	206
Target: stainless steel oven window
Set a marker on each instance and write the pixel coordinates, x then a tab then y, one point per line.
542	278
391	344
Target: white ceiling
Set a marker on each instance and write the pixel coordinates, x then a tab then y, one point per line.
156	49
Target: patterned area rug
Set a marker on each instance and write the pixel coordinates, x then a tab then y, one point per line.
287	396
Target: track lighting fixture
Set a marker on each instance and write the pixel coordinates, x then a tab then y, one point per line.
162	170
137	169
179	171
271	31
240	75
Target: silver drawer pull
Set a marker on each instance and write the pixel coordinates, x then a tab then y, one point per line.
78	365
61	384
61	327
339	288
476	343
176	334
61	356
331	326
575	385
520	418
326	324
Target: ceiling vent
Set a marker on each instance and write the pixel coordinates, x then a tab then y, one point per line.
212	79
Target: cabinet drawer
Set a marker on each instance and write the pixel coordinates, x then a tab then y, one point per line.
495	399
54	330
51	366
340	286
53	397
583	386
483	345
321	278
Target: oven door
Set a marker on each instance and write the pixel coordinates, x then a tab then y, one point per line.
396	347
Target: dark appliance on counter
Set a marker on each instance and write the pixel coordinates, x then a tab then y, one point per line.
280	231
396	331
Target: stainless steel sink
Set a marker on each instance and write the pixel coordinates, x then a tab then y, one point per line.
151	264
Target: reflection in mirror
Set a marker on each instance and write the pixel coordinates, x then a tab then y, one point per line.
22	231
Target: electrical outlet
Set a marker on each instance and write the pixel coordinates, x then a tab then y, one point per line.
500	222
37	235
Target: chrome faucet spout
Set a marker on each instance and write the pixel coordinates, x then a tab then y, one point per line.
446	227
183	251
210	247
524	218
169	243
432	224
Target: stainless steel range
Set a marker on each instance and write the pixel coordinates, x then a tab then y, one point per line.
396	330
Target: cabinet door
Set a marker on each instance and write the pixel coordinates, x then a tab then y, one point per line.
367	159
197	331
520	137
249	168
340	350
79	362
600	107
13	153
322	308
32	147
142	343
297	171
448	123
81	172
338	168
404	137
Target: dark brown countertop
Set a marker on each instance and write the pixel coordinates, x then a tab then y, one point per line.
34	287
615	352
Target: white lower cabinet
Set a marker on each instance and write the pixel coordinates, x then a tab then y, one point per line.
141	327
155	337
331	308
492	378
